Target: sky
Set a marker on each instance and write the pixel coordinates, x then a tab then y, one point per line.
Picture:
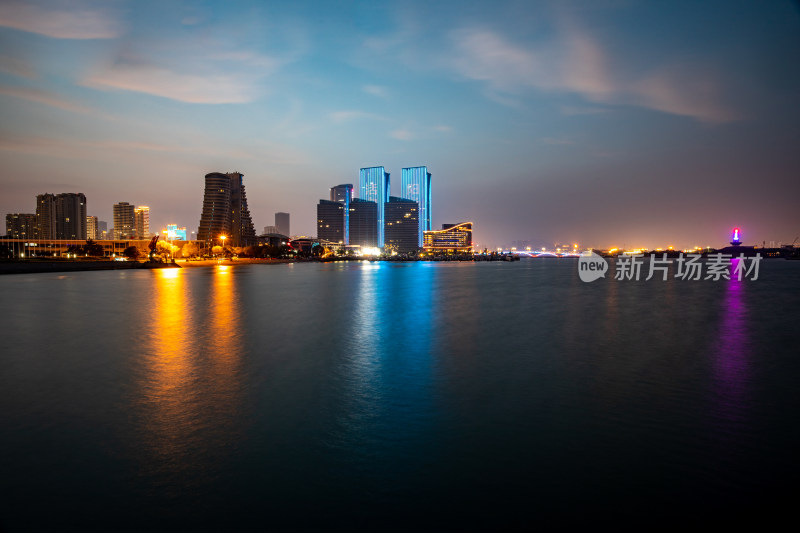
605	123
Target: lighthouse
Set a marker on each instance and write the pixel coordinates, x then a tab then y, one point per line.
736	237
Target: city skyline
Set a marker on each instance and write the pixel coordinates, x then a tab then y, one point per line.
606	124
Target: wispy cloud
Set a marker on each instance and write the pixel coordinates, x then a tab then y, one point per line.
443	128
42	97
376	90
16	67
78	19
576	63
348	115
401	134
195	88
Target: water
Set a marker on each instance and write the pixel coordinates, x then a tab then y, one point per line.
391	394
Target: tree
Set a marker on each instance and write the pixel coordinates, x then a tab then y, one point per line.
216	250
131	252
92	249
189	250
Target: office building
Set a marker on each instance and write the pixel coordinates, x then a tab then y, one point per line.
415	184
225	211
124	221
401	230
70	216
374	187
91	228
363	223
270	230
344	193
282	223
21	225
141	216
102	230
331	221
451	238
46	216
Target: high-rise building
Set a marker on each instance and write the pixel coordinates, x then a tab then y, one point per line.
363	223
282	223
344	193
401	230
330	221
71	216
91	227
374	187
141	217
451	238
102	230
46	216
225	211
415	184
270	230
21	225
124	221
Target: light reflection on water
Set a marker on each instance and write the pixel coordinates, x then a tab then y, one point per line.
361	389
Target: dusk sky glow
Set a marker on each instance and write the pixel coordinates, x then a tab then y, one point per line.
606	123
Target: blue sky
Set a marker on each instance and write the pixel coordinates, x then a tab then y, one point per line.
604	123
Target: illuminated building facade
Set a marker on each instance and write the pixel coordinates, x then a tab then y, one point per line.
282	223
174	233
124	221
46	216
374	187
451	238
401	230
331	221
21	225
141	217
415	184
91	228
225	211
344	194
363	223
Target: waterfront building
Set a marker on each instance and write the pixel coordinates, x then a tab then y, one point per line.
141	215
415	184
331	221
102	229
46	216
451	238
21	225
282	223
344	193
374	187
91	228
174	233
363	226
124	221
401	230
225	211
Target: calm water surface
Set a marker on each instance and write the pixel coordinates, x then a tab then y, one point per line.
395	394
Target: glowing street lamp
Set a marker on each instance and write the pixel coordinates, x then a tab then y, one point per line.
222	238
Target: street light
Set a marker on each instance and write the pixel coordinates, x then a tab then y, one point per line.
222	238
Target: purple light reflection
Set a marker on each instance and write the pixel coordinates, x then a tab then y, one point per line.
731	365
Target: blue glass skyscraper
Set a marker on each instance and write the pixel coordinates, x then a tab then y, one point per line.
374	187
415	184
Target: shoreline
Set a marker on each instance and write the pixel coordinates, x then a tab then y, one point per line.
44	267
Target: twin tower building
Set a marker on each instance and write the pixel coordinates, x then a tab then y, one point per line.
375	219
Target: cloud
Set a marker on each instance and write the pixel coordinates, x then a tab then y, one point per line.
401	135
16	67
376	90
200	88
443	128
61	20
576	63
42	97
348	115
